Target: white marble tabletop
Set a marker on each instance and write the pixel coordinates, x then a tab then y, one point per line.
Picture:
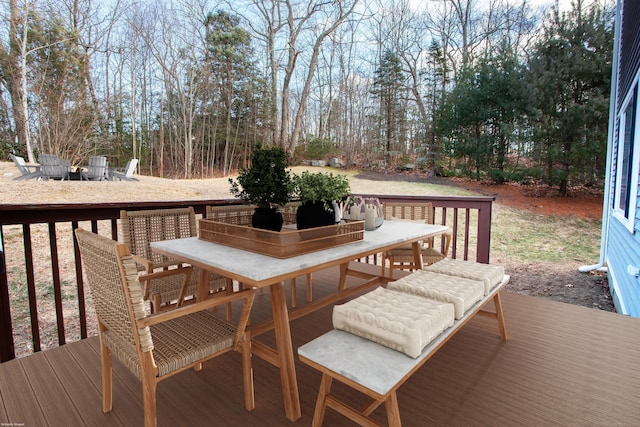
263	270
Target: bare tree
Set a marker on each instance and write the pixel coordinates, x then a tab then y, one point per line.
267	29
13	60
283	26
175	41
337	15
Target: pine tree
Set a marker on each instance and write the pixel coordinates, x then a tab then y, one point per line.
389	88
570	70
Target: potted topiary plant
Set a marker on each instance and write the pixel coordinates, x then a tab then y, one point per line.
267	183
318	193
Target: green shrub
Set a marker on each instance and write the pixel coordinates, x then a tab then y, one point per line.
319	148
266	181
321	187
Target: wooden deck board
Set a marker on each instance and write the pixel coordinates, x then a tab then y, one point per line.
83	388
19	398
55	383
563	365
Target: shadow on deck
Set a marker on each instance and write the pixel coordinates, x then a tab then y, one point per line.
563	365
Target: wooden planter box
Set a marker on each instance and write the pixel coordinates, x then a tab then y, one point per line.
287	243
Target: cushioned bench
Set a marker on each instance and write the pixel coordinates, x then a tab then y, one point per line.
489	274
395	319
462	292
363	357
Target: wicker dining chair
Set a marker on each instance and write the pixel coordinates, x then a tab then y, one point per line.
140	228
402	258
154	347
241	215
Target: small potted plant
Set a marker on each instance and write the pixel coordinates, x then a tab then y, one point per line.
267	183
318	193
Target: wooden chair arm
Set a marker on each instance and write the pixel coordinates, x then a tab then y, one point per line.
148	265
146	278
247	295
187	271
447	236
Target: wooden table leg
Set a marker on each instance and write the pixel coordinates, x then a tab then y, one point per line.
417	255
203	284
342	282
285	352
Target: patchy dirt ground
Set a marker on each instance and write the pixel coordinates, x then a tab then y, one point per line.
559	282
582	202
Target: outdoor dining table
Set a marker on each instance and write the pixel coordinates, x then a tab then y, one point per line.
259	271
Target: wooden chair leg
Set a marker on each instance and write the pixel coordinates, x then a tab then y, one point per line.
229	290
247	374
309	289
107	378
149	386
155	303
294	291
321	403
294	296
391	264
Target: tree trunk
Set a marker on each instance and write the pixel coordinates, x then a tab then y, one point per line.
312	67
13	63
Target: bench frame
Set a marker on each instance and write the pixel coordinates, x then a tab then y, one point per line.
388	396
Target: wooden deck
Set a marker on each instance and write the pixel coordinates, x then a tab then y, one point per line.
563	365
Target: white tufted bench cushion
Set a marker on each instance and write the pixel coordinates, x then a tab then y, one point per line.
491	275
403	322
462	293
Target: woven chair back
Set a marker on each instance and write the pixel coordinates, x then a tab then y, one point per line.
241	214
233	214
114	286
140	228
409	211
289	212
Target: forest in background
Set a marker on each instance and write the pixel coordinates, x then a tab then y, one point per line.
491	89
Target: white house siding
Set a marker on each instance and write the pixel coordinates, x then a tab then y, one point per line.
623	251
622	254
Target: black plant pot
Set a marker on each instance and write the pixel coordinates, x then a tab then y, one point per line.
267	219
314	214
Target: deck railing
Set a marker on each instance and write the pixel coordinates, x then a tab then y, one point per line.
43	302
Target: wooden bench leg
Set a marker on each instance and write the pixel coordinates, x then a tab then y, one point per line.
321	403
500	316
393	412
